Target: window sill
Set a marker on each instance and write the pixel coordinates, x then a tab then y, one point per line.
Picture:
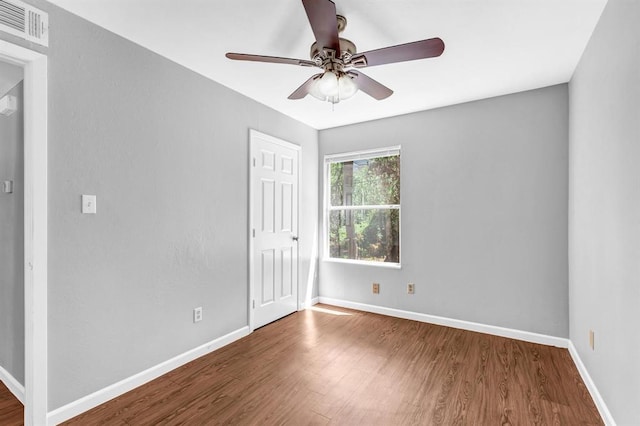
364	263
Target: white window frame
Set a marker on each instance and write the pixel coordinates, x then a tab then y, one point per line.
327	208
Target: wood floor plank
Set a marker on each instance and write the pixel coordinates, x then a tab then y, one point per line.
11	410
337	366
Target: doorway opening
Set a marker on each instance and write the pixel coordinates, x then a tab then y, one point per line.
12	312
34	261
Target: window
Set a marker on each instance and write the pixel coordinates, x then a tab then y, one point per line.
362	216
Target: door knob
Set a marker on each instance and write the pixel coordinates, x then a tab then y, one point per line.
294	237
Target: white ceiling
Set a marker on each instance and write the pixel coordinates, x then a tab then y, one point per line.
493	47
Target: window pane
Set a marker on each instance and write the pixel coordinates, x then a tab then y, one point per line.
374	181
368	234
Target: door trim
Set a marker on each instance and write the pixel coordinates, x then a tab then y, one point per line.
35	227
253	134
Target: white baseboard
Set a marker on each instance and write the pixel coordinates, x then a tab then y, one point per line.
309	303
449	322
591	386
90	401
16	388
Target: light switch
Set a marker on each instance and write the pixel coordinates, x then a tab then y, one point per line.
7	186
89	204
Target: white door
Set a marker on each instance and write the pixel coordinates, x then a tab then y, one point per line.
273	228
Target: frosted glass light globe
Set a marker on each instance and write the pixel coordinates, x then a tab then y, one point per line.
333	87
328	84
314	90
346	87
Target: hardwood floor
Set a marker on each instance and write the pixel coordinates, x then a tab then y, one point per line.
336	366
11	410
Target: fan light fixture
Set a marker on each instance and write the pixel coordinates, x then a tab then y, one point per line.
339	59
332	87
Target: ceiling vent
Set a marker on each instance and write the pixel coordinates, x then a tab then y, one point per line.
24	21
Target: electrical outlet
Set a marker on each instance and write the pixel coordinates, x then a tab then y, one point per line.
376	288
411	288
592	340
197	314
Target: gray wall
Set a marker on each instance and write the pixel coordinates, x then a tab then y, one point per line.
166	152
604	208
12	241
484	212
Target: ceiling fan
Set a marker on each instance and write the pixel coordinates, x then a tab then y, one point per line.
339	59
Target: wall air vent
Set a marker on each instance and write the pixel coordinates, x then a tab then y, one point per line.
24	21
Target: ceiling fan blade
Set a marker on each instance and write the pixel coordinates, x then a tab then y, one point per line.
322	17
270	59
429	48
303	90
370	86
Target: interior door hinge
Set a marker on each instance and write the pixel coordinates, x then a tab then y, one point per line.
254	232
254	303
254	162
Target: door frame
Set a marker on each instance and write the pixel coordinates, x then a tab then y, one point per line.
34	65
253	134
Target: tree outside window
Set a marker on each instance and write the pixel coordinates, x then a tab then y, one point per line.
364	207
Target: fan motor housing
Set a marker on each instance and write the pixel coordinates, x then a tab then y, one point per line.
346	46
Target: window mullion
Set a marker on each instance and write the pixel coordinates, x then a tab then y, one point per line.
366	207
